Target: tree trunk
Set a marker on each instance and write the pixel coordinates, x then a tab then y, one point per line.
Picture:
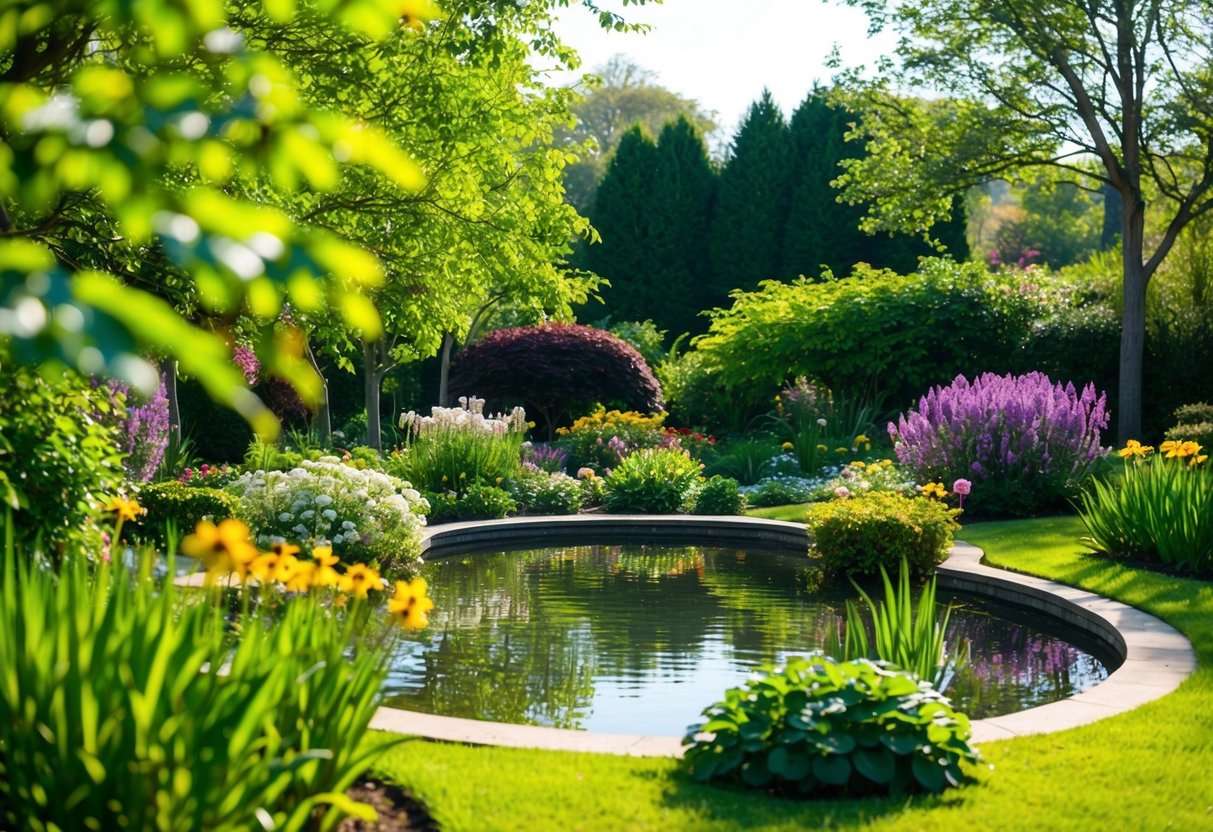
324	417
1113	217
444	376
1133	320
371	377
168	371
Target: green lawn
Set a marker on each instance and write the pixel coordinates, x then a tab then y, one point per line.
1148	769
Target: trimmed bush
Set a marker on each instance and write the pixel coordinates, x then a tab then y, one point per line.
818	726
860	535
651	481
1025	442
540	492
719	495
556	371
183	505
874	330
479	502
1193	423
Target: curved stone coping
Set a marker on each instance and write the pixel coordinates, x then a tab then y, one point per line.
453	538
1156	658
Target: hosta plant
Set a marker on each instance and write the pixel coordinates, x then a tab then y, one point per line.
1160	509
819	726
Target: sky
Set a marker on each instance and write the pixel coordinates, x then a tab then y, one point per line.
723	52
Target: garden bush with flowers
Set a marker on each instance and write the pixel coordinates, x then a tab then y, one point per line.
366	515
455	448
1160	509
1025	442
603	438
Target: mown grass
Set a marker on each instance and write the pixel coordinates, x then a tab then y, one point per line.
1148	769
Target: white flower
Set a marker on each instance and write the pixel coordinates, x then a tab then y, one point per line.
285	517
323	500
329	514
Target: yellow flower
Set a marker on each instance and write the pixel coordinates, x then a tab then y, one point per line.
821	449
278	564
301	579
410	605
222	548
124	509
324	560
360	579
862	439
858	465
934	489
787	446
1135	448
842	450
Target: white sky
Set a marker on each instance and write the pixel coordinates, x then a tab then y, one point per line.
723	52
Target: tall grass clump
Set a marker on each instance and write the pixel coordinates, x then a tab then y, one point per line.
455	448
1025	442
125	704
906	635
1160	509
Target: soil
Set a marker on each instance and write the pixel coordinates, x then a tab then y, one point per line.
399	811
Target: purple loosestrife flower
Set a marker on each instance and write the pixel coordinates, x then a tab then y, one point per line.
1024	439
142	428
247	361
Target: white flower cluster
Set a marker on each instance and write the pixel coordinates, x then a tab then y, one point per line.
365	514
468	416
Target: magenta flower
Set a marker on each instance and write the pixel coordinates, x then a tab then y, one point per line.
962	487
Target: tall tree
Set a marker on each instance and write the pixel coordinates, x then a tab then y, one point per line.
620	94
1126	82
624	219
752	203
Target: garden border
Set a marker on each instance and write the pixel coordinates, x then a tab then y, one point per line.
1156	658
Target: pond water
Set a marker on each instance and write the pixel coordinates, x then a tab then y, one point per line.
640	639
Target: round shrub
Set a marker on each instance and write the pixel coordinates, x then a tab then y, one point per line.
858	535
818	726
651	481
1024	442
556	371
366	515
719	495
1193	422
58	461
183	505
486	502
540	492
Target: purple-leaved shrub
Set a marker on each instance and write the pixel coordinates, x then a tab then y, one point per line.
1024	442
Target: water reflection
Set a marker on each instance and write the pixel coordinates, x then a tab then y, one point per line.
639	639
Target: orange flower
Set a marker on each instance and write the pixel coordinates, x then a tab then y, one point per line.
410	605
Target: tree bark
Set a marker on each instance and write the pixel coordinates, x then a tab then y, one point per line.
444	375
1133	319
376	364
1113	218
324	418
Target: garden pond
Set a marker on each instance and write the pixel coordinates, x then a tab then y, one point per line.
639	639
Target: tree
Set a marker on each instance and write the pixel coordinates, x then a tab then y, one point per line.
621	95
652	212
751	203
1127	83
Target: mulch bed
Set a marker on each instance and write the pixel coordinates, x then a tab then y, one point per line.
399	811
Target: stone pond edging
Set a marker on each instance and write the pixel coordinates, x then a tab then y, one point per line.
1156	657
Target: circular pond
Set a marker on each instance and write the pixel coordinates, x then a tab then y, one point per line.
639	639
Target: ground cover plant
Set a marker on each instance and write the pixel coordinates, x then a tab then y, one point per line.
1031	785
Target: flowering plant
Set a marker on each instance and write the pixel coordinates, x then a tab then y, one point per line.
1161	509
142	427
208	476
455	448
540	492
365	515
1023	441
604	438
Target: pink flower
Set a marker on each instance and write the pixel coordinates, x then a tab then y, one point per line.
962	487
842	491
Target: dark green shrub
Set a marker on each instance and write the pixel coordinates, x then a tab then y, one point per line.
719	495
58	462
859	535
183	505
818	726
479	502
651	481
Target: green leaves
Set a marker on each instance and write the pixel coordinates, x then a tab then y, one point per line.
816	725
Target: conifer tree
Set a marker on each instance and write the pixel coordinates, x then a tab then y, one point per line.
623	217
752	201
